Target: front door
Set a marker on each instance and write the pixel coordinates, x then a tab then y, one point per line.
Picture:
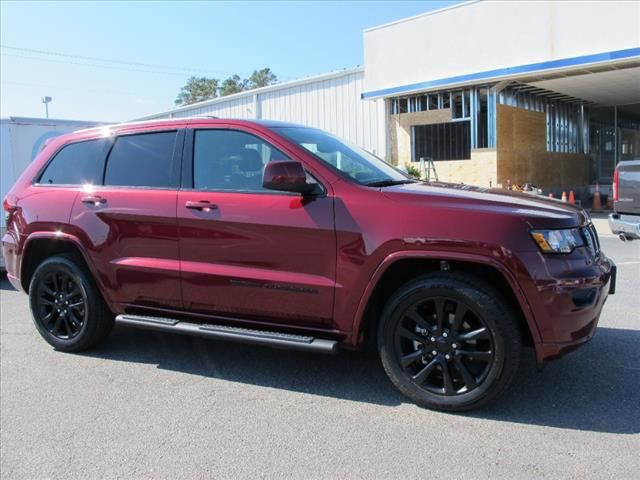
247	252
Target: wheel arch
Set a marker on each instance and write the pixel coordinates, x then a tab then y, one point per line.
41	245
400	267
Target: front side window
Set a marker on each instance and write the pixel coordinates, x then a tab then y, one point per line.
77	164
143	160
350	160
231	160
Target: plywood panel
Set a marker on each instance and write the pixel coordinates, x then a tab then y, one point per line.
480	170
522	155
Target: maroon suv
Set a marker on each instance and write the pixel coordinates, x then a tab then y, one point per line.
282	235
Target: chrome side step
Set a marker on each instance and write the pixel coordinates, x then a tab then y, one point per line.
245	335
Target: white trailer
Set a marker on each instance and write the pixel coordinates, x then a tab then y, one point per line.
21	138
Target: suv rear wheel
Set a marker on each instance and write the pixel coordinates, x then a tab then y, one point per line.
449	342
66	306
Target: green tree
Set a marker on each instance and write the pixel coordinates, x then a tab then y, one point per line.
233	84
262	78
197	89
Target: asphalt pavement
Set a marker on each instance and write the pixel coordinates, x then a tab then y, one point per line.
152	405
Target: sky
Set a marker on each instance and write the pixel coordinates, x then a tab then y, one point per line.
121	60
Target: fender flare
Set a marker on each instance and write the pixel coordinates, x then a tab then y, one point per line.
444	255
62	237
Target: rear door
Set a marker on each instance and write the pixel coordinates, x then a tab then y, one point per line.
72	168
130	222
246	251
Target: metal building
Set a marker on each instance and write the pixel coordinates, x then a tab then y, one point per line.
511	92
331	101
492	92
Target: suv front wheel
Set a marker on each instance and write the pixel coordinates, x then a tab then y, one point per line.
449	342
66	306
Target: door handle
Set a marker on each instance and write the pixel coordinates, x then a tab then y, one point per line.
203	206
94	200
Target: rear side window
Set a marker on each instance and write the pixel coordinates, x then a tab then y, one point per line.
77	164
145	160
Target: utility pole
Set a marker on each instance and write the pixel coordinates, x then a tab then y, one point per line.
46	101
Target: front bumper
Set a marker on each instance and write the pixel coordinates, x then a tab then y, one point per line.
629	225
567	297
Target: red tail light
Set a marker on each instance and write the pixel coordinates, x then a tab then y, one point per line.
8	207
615	185
7	211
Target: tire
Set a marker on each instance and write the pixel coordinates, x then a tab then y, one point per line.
63	284
439	325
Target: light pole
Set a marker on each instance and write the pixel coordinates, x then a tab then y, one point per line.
46	101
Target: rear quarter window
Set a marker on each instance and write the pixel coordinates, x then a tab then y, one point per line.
143	160
77	164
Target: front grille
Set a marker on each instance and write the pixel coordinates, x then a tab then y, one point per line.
591	237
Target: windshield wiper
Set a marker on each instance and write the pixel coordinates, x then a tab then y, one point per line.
388	183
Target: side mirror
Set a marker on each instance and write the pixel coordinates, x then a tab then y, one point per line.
287	176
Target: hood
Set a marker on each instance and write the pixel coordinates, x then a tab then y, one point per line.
539	211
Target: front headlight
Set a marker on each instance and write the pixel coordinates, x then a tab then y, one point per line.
558	241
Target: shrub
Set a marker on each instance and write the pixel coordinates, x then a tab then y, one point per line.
412	170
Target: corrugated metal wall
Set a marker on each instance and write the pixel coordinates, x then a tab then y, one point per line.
233	108
330	102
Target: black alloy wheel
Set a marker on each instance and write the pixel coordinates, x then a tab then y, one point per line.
449	341
61	304
444	346
67	308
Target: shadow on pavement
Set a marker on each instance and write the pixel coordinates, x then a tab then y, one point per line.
594	388
4	282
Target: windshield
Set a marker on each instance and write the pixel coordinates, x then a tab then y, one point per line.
358	164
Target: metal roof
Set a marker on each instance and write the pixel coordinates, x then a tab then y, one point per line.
40	120
258	91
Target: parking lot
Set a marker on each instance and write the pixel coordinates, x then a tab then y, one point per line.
151	405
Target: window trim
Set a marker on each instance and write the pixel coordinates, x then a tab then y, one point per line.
38	176
188	160
176	158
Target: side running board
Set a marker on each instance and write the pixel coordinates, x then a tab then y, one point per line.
245	335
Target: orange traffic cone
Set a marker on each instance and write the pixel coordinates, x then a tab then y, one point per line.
564	197
610	202
572	198
597	202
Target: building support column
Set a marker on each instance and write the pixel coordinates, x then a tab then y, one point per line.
492	102
474	114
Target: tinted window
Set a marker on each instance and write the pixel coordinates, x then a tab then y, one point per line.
230	160
144	160
360	165
77	164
